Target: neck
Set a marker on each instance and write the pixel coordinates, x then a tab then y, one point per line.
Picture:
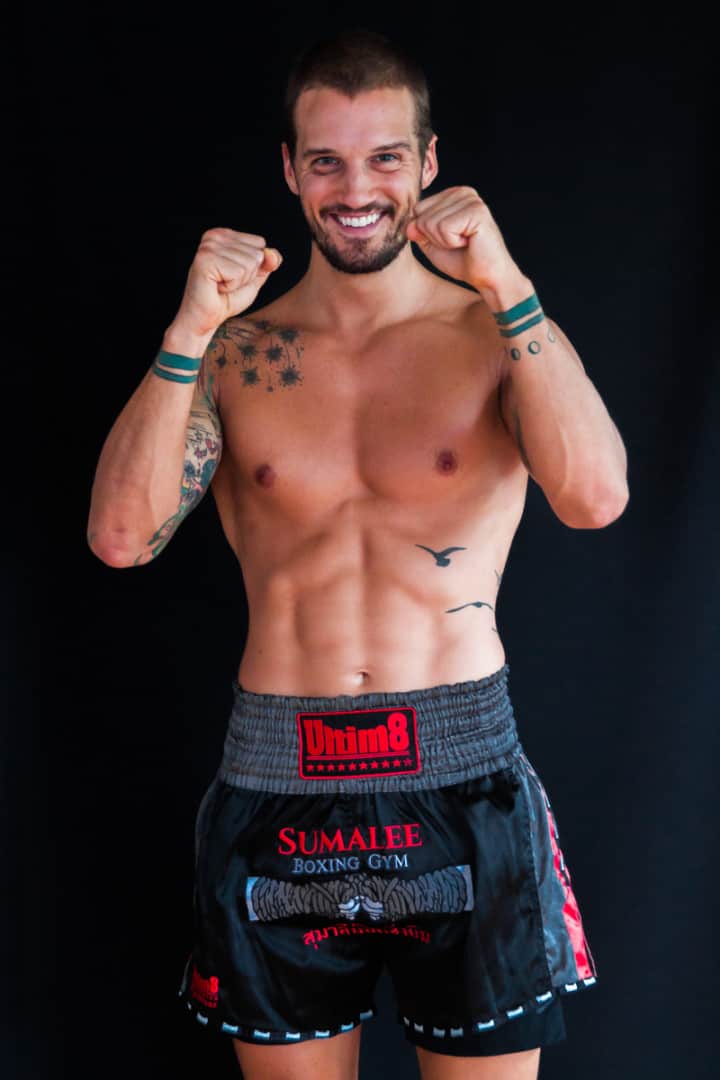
359	304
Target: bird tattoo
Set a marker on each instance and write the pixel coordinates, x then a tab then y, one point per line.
474	603
471	603
441	557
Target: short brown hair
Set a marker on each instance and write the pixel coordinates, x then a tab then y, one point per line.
352	61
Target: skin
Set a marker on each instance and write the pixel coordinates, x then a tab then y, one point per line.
368	482
365	473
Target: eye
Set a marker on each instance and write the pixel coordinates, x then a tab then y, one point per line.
393	156
320	160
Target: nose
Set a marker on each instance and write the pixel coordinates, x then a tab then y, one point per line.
356	187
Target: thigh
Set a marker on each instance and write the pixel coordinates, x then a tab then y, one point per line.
519	1066
522	1036
336	1058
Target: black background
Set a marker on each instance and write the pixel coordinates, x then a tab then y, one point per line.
590	143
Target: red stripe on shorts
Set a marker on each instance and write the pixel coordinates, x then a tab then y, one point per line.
571	911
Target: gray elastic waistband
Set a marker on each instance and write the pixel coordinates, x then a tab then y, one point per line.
464	730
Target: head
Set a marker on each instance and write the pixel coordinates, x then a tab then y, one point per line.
358	139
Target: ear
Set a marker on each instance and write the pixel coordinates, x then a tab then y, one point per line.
289	171
430	167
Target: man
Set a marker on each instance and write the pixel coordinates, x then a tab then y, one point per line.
369	437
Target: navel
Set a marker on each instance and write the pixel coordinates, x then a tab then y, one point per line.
265	475
446	461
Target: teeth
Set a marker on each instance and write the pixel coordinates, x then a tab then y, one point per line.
358	222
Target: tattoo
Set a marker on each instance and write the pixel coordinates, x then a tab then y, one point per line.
203	447
471	603
474	604
480	603
533	347
197	475
497	590
275	362
477	604
441	558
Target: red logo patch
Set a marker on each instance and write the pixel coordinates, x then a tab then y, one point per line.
204	990
359	742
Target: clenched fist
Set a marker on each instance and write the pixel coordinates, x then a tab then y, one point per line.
459	235
228	271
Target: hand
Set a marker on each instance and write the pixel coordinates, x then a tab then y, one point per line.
458	234
228	271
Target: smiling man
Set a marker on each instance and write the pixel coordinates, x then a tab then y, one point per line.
377	232
369	436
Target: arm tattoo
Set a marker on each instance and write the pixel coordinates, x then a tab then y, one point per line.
203	447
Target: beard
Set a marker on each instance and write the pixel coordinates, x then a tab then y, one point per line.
366	254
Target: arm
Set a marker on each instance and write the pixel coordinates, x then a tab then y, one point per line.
564	434
167	439
566	437
507	396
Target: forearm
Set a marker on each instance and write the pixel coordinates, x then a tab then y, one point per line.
138	478
571	444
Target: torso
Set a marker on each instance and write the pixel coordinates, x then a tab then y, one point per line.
340	466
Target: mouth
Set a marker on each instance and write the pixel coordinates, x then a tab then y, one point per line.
366	223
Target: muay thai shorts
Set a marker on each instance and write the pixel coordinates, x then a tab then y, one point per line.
342	834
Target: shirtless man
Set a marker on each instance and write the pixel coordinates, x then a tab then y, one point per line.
368	436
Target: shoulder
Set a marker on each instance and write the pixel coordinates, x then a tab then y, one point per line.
278	320
237	339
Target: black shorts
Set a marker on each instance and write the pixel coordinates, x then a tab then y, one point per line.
410	830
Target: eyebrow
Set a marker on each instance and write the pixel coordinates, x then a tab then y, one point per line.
388	146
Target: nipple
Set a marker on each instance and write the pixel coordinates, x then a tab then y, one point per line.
265	475
446	461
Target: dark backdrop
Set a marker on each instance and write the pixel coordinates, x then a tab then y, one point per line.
591	147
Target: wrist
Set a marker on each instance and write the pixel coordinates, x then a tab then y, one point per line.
180	339
507	292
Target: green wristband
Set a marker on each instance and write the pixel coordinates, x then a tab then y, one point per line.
172	376
523	326
502	318
176	360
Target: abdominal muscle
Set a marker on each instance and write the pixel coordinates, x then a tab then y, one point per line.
359	608
331	491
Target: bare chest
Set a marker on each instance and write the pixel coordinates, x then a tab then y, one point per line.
307	425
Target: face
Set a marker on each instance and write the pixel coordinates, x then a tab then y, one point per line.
347	165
